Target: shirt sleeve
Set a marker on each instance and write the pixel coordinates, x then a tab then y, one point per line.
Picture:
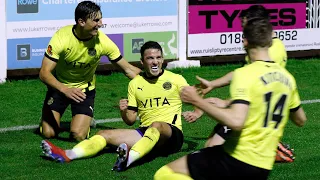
181	82
132	102
240	87
110	49
285	57
55	47
295	101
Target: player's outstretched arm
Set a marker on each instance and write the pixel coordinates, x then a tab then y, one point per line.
233	117
192	116
128	116
129	70
218	102
217	83
298	117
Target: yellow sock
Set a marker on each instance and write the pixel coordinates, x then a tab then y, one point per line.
89	147
144	145
165	173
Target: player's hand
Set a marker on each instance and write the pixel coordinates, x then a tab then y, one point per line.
192	116
217	102
189	94
123	104
205	85
75	94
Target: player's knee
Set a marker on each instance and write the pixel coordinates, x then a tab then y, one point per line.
79	136
207	144
162	127
107	134
215	140
47	132
156	125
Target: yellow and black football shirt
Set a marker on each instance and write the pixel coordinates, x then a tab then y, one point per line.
157	98
277	53
77	59
271	93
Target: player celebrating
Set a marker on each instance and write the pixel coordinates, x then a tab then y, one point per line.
154	97
263	96
277	53
68	69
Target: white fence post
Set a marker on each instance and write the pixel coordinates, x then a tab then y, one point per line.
3	42
182	29
182	38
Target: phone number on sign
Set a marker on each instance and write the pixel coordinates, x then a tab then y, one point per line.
287	35
236	38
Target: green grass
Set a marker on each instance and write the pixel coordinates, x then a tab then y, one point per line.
21	102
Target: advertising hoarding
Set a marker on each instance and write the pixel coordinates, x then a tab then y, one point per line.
31	24
214	27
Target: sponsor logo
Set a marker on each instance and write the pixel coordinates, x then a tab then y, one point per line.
38	52
49	50
282	17
27	6
173	50
136	45
226	129
23	52
50	101
225	18
155	102
168	48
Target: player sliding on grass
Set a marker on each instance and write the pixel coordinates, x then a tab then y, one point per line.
154	97
277	53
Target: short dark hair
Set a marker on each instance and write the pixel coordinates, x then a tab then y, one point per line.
258	33
150	45
85	10
255	12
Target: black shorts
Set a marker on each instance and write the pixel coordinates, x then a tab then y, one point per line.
172	145
221	130
57	101
215	163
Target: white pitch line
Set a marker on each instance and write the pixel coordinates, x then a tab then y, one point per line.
100	121
310	101
20	128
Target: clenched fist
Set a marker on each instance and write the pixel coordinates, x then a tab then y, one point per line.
123	104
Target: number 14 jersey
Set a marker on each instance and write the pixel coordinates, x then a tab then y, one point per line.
271	93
